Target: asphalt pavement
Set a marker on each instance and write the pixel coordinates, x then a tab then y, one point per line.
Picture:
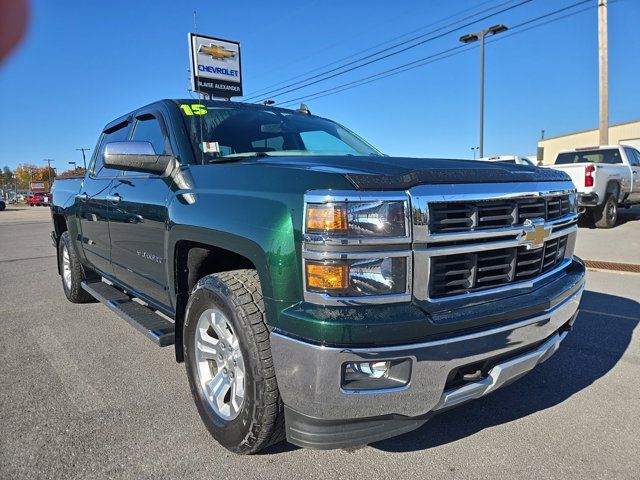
83	395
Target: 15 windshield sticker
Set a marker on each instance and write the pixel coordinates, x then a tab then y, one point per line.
193	109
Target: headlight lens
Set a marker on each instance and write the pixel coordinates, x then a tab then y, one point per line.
377	219
357	277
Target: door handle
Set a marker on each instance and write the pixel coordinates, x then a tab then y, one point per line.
82	196
113	198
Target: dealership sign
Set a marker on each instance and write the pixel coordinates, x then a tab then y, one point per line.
215	66
39	187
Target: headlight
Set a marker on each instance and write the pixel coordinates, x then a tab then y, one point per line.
371	219
357	277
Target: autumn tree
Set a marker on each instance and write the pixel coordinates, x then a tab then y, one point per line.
78	171
27	173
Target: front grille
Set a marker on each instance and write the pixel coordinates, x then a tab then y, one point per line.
470	272
479	215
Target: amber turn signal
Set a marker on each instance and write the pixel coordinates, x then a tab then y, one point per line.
326	218
326	276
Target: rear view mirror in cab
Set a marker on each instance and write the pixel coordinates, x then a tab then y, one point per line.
135	157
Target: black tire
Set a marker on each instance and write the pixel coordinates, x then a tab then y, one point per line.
260	421
606	215
73	290
2	206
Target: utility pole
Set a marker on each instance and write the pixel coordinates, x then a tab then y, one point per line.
48	160
84	160
603	71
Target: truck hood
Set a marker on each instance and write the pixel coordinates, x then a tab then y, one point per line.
393	173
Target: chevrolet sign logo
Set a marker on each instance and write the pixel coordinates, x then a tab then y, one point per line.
534	233
216	52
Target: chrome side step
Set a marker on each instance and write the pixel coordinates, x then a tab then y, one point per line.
143	319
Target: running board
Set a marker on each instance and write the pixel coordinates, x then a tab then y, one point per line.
143	319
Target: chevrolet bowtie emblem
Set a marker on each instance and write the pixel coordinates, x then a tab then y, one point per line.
216	51
534	233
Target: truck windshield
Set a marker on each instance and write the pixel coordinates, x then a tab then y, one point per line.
593	156
219	131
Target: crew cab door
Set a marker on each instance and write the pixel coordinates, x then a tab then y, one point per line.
93	206
633	156
138	217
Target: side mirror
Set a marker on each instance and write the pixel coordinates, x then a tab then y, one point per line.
135	157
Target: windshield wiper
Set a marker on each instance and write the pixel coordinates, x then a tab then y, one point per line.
240	156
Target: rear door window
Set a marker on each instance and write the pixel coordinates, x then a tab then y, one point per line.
632	156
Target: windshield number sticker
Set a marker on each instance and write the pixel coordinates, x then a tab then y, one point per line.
193	109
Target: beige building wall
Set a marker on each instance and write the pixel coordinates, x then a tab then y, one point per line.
628	132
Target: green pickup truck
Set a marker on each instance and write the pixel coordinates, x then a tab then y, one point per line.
316	289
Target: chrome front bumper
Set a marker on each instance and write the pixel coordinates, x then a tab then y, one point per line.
309	376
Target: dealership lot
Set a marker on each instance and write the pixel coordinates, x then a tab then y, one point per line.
84	396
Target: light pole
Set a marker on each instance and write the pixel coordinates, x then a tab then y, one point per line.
474	37
75	166
84	160
474	150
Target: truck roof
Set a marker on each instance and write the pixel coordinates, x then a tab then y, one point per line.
179	101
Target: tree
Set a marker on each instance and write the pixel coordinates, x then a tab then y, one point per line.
28	173
7	174
78	171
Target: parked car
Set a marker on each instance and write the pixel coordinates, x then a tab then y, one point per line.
512	159
317	289
38	199
606	177
3	204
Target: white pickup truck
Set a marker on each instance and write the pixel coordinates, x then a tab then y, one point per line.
606	178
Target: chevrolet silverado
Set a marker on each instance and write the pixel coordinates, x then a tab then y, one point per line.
316	289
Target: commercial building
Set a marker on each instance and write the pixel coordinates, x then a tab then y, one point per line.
627	132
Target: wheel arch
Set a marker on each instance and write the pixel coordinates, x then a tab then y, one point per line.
200	252
613	187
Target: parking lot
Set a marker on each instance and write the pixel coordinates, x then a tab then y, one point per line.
82	395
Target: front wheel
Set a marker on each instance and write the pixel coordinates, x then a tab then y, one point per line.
72	272
606	215
228	361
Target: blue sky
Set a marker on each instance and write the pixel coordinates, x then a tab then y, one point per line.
86	62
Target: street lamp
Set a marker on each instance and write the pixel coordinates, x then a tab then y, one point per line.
474	37
75	165
474	150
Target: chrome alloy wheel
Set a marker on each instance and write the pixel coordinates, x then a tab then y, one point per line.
66	267
220	365
612	211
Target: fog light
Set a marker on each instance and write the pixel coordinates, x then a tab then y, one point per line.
377	375
371	369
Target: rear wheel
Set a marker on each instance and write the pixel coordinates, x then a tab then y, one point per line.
72	272
229	365
606	215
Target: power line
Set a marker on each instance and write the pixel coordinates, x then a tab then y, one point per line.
329	75
348	57
439	56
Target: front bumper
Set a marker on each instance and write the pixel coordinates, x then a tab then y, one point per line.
320	414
